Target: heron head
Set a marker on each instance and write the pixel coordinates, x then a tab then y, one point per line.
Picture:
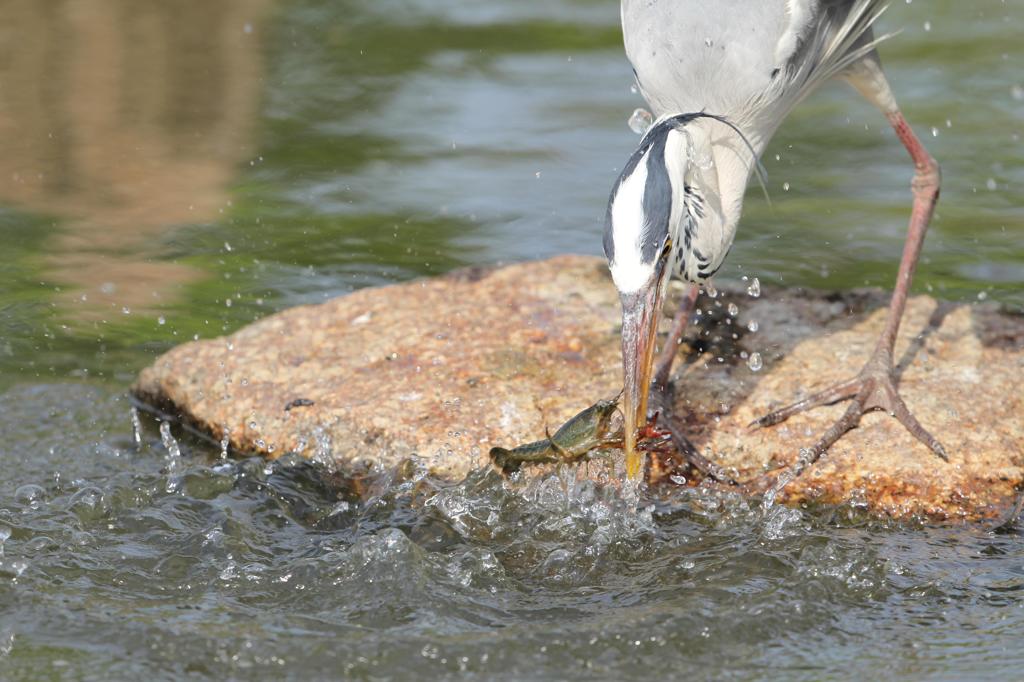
674	208
638	246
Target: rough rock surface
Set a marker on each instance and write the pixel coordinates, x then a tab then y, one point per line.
446	368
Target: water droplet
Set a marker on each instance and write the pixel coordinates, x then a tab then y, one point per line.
734	310
991	184
982	295
136	427
31	495
754	362
6	642
640	121
754	290
170	444
173	459
753	326
710	290
161	320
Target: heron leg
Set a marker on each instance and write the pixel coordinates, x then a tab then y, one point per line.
663	365
661	400
875	387
689	453
661	391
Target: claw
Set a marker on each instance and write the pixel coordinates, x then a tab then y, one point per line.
910	423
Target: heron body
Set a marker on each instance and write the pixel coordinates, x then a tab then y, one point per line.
720	77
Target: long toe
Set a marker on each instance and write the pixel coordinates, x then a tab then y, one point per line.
874	389
831	395
906	417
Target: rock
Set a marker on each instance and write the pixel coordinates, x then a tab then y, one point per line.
446	368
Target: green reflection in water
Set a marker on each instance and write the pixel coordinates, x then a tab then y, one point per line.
377	143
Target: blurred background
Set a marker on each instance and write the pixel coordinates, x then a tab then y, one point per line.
173	169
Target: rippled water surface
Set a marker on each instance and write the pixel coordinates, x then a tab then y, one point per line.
173	170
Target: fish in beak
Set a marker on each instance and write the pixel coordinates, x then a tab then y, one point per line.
641	312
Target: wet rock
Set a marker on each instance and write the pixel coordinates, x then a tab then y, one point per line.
446	368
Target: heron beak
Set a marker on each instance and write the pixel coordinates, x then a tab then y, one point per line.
641	311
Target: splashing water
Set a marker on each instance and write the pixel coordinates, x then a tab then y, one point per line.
640	121
136	426
754	289
501	577
787	477
173	459
755	362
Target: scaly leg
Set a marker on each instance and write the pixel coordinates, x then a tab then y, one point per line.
663	365
875	387
660	400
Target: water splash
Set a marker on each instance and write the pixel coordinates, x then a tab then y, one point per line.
640	121
136	426
787	477
755	362
6	642
173	460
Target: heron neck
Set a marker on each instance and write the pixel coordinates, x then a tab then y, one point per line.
733	165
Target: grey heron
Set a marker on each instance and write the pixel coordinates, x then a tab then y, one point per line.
720	77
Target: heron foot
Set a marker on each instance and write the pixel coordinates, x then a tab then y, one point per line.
873	389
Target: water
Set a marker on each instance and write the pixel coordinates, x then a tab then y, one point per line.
290	152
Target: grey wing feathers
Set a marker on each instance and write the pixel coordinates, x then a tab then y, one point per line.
772	53
838	34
